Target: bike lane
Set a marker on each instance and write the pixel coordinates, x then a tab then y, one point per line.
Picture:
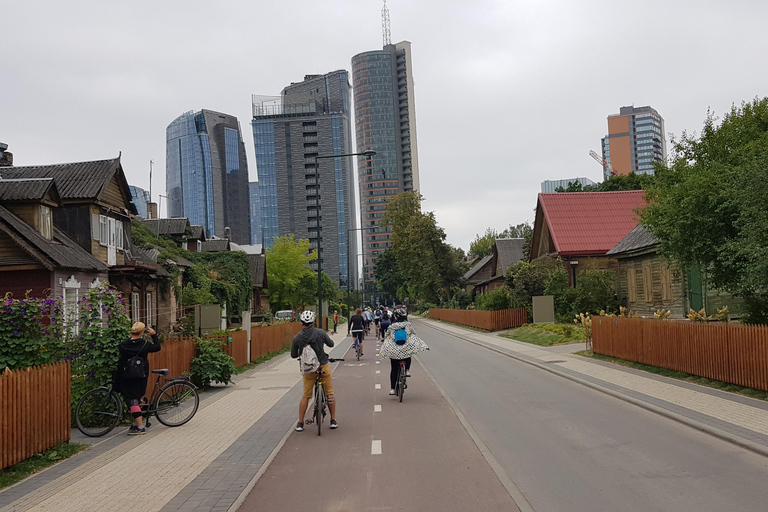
385	455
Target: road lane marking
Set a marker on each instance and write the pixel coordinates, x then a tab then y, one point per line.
378	386
378	362
378	371
376	408
376	447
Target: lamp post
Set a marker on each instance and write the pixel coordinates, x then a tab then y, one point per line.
368	153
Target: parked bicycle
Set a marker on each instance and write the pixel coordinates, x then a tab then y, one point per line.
102	409
321	401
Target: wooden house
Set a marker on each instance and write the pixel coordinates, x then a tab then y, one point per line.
581	227
489	272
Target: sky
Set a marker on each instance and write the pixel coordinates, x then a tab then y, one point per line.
508	93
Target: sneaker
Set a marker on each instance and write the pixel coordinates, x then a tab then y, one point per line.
299	427
334	424
391	391
132	430
138	432
407	373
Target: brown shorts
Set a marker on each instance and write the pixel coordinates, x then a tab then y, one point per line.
309	382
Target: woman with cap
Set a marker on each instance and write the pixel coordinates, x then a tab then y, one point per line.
133	388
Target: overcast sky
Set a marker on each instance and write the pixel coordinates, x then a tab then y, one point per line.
508	93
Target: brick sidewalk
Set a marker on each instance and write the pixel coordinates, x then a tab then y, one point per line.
735	418
203	465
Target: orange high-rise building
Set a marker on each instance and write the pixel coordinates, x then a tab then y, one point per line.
635	140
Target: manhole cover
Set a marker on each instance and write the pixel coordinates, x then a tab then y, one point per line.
275	388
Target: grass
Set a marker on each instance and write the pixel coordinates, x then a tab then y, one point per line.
263	359
35	463
687	377
545	335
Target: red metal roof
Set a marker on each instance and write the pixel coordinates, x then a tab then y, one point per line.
590	222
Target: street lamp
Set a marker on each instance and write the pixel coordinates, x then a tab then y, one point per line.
368	153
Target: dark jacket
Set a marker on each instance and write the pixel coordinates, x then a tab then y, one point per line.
315	338
356	323
134	388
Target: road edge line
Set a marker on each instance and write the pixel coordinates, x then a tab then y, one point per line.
512	489
696	425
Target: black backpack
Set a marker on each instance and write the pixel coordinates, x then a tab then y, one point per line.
136	366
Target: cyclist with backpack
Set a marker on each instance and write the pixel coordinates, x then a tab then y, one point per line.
133	371
377	319
357	327
400	343
308	342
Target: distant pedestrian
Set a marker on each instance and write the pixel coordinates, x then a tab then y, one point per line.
134	351
335	320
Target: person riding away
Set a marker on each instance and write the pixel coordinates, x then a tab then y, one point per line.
384	325
132	386
315	338
398	350
377	319
368	319
357	326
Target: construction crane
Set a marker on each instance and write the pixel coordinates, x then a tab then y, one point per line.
607	169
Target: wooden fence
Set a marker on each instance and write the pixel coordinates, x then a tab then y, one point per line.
488	320
270	338
732	353
36	411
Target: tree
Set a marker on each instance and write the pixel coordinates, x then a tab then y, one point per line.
708	208
631	181
387	274
482	244
288	272
427	264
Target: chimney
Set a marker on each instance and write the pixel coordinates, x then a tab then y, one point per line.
151	210
6	158
228	234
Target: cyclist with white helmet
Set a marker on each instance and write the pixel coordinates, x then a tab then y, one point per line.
315	338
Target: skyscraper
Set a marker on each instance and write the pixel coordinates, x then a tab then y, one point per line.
310	119
253	192
385	121
207	173
635	140
140	198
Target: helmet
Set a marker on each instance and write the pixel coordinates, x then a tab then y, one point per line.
401	314
307	317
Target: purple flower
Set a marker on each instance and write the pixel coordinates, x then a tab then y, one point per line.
15	333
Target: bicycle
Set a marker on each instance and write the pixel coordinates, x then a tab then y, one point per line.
401	386
321	401
174	404
358	348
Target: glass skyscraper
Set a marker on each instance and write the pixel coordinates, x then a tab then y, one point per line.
385	121
310	119
140	198
207	173
635	140
253	192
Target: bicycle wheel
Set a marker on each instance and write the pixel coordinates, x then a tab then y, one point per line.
98	412
358	351
319	404
177	403
402	381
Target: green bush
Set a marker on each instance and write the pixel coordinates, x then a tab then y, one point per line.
495	300
596	291
211	364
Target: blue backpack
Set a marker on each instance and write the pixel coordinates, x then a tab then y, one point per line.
400	336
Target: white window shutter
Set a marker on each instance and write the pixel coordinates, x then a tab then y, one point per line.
119	235
103	230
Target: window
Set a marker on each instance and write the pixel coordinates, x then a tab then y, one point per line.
103	230
46	225
647	284
70	295
135	307
631	286
119	235
149	309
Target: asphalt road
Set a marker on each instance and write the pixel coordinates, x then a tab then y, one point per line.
427	460
569	448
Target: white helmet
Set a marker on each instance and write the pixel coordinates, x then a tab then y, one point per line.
307	317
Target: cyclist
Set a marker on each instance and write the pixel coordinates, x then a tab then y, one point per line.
377	319
134	388
384	325
357	327
396	351
368	319
315	338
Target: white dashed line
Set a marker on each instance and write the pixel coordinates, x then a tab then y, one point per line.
376	408
378	362
378	371
378	386
376	447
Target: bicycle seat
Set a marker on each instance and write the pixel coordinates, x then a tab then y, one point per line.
164	371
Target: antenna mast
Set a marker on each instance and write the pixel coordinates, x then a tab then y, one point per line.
385	33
